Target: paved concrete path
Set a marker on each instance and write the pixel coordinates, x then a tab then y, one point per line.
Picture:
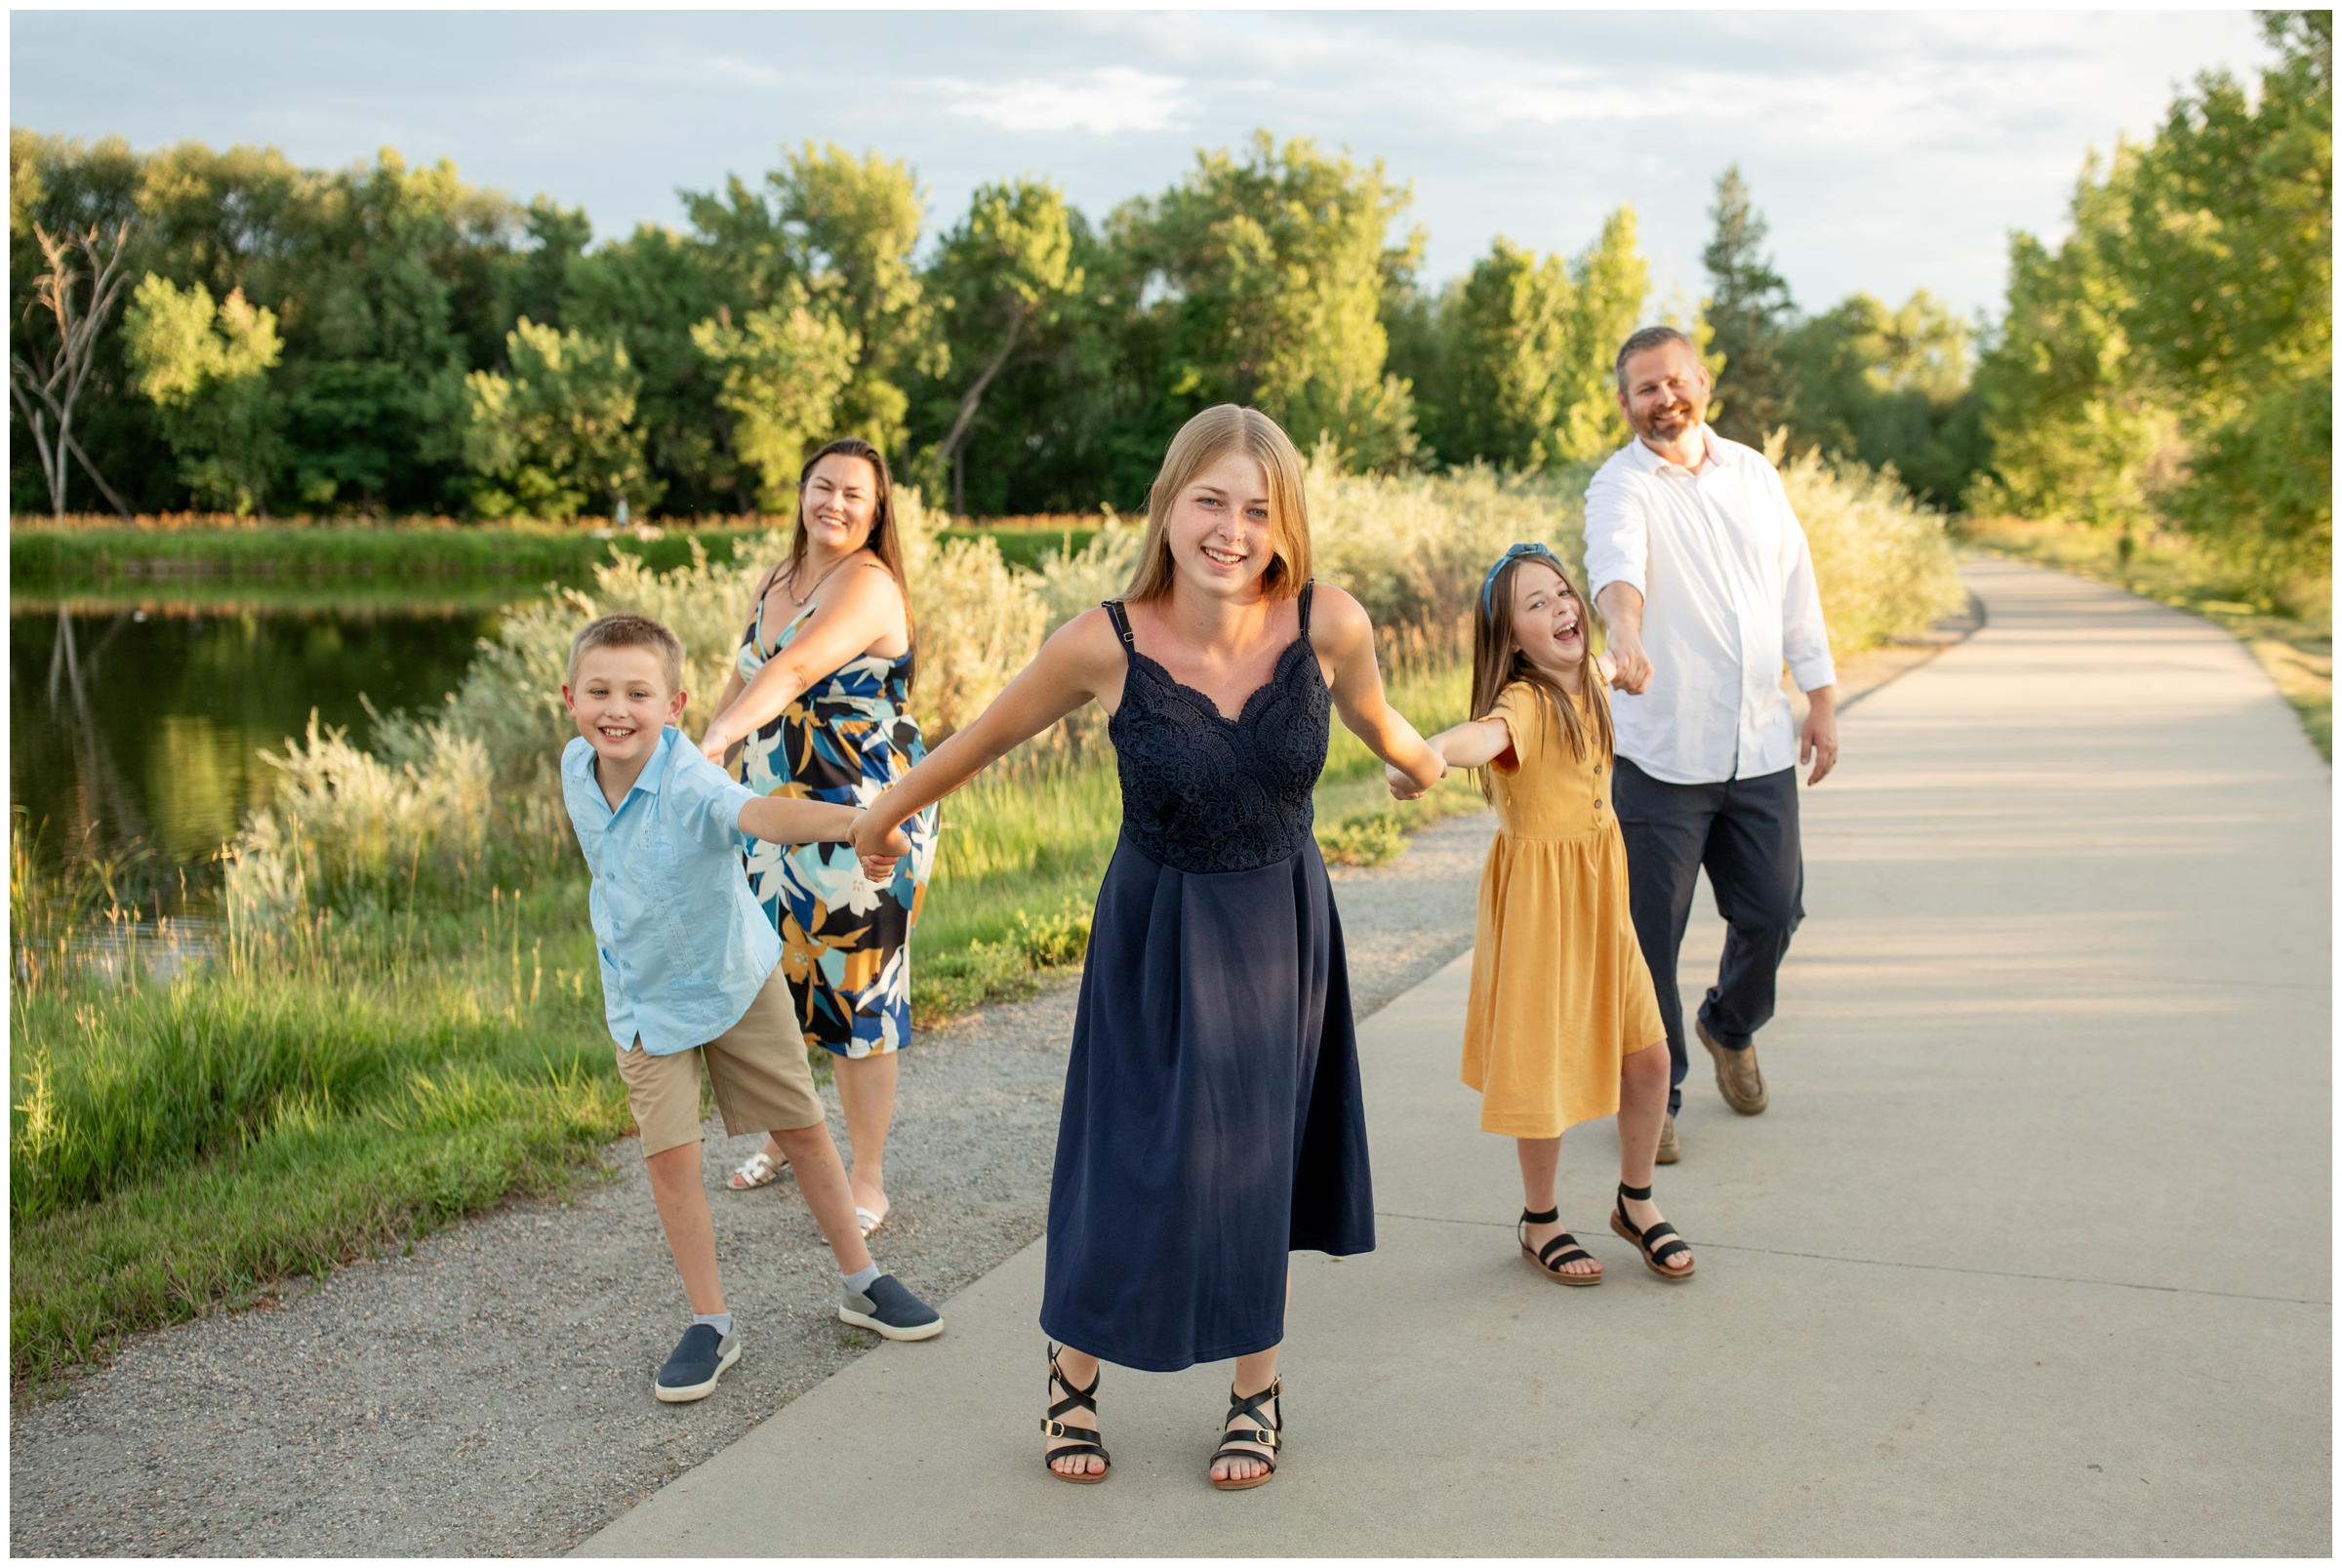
2031	1255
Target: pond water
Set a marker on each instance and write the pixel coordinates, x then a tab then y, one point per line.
140	723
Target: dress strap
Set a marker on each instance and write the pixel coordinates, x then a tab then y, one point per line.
1306	589
1121	619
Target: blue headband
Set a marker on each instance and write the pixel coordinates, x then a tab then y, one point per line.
1488	582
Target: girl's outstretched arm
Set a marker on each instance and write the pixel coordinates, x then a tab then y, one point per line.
1474	743
1082	663
1343	639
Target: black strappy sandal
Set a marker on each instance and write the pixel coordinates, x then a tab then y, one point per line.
1562	1249
1085	1439
1247	1444
1659	1243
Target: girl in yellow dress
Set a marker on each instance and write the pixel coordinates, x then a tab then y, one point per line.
1564	1019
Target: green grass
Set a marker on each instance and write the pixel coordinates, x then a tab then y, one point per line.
306	1099
52	560
109	557
1026	547
2291	634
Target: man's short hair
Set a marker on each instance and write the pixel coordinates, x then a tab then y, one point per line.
1644	340
631	631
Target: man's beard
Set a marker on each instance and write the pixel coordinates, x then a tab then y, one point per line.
1665	425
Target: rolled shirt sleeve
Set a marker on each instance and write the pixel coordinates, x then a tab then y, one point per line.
1804	639
1618	535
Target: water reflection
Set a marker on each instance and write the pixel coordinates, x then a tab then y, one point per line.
142	723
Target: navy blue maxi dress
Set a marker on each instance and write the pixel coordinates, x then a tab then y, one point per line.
1212	1119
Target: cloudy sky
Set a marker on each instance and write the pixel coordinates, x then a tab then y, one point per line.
1891	151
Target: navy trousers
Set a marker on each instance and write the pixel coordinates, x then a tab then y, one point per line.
1745	832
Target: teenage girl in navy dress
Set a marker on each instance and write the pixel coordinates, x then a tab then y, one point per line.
1212	1123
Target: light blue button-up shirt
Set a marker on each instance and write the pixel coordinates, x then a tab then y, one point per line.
684	947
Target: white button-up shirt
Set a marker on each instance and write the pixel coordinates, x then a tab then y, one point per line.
1728	594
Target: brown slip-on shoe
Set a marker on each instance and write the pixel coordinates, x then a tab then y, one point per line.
1736	1074
1670	1151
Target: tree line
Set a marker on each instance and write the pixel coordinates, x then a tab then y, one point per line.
386	339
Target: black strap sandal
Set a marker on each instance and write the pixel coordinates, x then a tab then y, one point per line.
1085	1439
1659	1243
1562	1249
1248	1444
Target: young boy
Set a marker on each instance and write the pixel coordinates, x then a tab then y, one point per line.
691	975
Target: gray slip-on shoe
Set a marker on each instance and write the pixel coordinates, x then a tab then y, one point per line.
891	1310
703	1357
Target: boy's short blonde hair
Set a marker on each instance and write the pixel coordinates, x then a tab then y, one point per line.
631	632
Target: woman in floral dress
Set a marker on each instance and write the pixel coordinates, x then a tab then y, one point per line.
819	706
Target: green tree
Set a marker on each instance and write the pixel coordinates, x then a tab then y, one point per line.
1520	368
1888	386
559	430
2174	356
651	291
1000	283
1272	269
845	230
1748	310
786	370
2228	253
205	368
387	284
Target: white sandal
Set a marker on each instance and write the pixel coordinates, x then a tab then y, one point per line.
868	1221
759	1168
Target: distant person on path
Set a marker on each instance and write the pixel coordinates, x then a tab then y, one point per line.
819	704
1212	1123
1703	576
1563	1025
689	978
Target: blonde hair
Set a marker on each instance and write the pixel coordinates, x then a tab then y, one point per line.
631	632
1202	442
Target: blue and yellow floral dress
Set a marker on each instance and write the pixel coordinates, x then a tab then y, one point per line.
845	941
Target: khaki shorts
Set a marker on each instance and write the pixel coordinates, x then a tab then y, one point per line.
763	1083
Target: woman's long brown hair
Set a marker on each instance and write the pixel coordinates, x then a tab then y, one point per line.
1496	663
885	540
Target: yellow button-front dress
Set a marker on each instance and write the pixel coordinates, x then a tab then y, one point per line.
1560	991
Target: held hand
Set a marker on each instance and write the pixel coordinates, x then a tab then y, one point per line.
1631	667
879	842
1402	787
714	742
1818	741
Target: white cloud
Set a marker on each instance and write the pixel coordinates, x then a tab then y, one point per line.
1111	98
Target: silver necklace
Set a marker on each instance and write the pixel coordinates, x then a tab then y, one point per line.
817	583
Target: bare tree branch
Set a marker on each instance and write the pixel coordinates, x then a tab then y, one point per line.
58	380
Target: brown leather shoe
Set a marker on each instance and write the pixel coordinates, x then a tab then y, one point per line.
1736	1074
1670	1151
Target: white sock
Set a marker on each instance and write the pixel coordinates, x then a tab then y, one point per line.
860	1281
721	1322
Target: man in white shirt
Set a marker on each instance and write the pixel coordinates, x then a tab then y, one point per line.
1703	576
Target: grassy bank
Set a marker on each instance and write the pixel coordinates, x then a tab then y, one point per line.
52	559
315	1093
2293	641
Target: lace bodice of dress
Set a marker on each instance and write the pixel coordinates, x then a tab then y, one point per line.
1202	792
